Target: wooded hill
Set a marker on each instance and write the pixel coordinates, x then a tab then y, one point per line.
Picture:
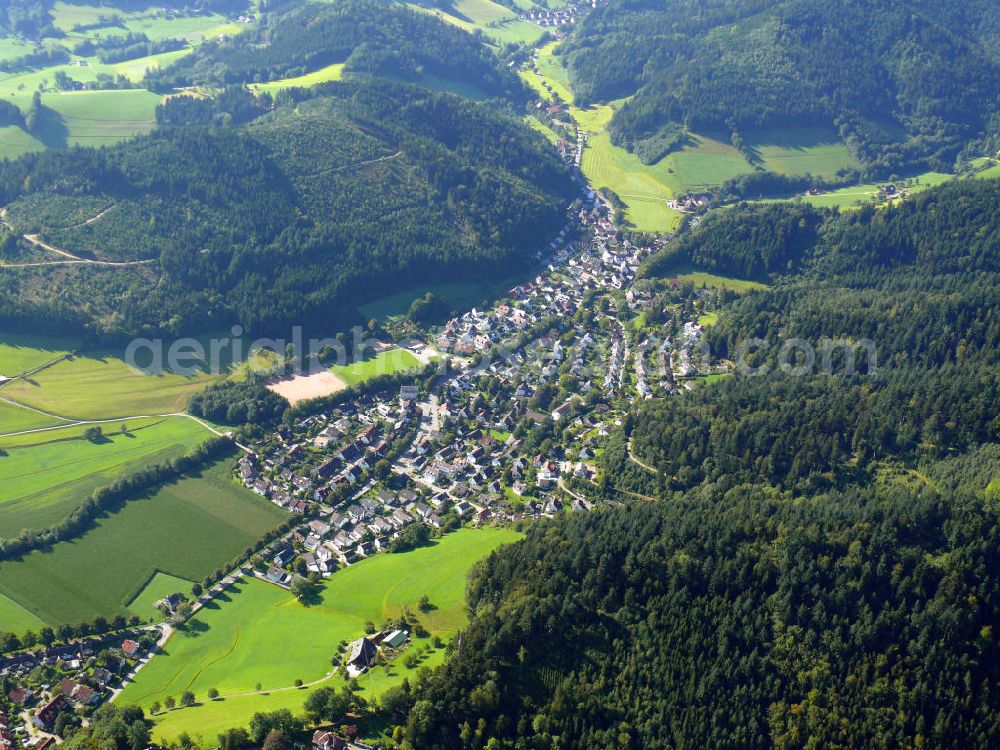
334	199
921	281
818	565
367	36
905	84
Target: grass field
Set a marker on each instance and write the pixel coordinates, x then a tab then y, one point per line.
14	143
16	418
186	529
532	78
16	619
712	281
19	353
460	295
643	188
84	118
550	67
818	151
329	73
705	163
383	363
100	385
40	484
230	645
160	586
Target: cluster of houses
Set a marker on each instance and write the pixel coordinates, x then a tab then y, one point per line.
87	670
559	17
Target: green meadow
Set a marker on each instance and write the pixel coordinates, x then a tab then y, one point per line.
230	645
20	353
186	528
792	151
16	619
550	67
702	279
460	295
15	418
44	481
100	385
160	586
383	363
329	73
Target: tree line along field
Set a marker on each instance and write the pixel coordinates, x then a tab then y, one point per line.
46	475
186	528
229	646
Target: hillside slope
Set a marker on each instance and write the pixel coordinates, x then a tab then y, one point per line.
367	36
324	202
902	87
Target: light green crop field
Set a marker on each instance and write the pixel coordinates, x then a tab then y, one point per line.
20	353
16	619
186	528
383	363
818	151
160	586
41	484
329	73
101	386
230	644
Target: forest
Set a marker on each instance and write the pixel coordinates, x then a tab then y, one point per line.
903	87
335	196
920	281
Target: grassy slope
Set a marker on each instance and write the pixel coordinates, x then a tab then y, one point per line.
16	418
102	386
230	647
460	295
329	73
43	483
187	529
20	353
384	363
817	151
